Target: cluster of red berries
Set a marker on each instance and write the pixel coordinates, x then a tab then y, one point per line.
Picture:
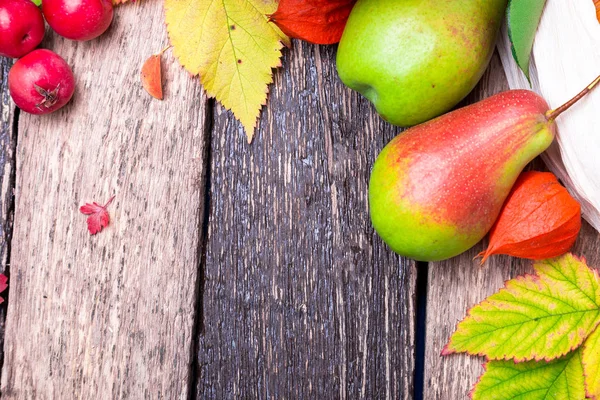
41	81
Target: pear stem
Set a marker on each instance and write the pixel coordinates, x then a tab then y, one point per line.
553	114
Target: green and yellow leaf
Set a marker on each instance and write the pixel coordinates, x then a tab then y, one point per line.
232	46
532	380
534	317
591	364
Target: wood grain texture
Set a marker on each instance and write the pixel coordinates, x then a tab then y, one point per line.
7	161
7	177
108	316
302	299
456	285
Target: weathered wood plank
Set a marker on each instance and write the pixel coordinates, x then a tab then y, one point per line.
7	171
302	299
108	316
458	284
7	160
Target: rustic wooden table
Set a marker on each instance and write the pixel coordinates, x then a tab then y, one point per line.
229	270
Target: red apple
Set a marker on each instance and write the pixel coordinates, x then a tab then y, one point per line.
41	82
78	19
21	27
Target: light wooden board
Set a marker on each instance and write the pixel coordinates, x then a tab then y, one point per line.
7	176
302	299
456	285
109	316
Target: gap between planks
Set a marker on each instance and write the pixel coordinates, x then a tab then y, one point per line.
198	328
9	117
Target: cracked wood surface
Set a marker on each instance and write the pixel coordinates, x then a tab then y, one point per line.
301	298
108	316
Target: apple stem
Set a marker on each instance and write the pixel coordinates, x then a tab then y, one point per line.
553	114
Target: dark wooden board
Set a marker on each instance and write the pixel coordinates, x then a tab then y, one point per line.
7	177
7	160
301	298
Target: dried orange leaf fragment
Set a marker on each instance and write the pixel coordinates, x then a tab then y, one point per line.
152	76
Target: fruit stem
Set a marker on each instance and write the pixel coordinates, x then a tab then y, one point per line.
165	49
109	201
553	114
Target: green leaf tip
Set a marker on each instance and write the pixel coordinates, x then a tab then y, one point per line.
558	379
523	18
590	356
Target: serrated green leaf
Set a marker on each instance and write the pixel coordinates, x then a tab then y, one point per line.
37	2
533	380
591	364
534	317
523	18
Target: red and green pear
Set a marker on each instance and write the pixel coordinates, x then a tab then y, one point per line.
437	188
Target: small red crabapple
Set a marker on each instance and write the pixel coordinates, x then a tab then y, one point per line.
78	19
41	82
21	27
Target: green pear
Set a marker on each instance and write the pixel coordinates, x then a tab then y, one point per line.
437	188
416	59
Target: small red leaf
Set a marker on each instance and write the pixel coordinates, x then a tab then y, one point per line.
316	21
98	216
152	76
3	285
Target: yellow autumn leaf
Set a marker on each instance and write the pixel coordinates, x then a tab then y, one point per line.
232	46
